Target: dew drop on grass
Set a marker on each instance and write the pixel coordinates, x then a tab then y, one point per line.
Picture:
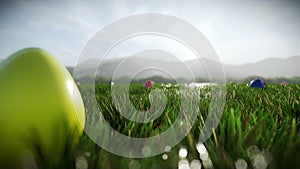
241	164
81	163
203	153
168	149
183	153
164	156
204	156
252	151
183	164
201	148
207	164
195	164
259	162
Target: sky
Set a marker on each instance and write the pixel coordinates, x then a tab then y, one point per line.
239	31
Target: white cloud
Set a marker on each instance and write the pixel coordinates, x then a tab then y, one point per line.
68	52
54	16
239	32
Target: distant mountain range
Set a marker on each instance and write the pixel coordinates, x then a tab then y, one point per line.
269	68
164	64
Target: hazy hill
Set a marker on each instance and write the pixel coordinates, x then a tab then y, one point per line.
146	64
272	67
130	66
164	64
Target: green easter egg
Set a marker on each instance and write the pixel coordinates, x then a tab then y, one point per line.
41	108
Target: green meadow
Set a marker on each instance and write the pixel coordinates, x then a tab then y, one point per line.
265	121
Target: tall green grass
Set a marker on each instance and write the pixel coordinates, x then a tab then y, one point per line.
268	118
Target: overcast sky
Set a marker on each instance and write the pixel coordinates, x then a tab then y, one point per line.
239	31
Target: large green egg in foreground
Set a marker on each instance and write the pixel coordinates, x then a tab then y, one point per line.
41	110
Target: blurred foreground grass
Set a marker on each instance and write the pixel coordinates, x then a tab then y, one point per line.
267	118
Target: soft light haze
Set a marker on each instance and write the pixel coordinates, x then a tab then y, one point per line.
240	31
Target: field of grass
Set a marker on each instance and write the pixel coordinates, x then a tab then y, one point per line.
266	119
